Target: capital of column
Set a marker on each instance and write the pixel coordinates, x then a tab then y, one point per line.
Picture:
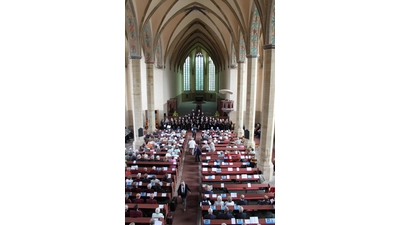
149	62
135	57
252	56
240	61
265	47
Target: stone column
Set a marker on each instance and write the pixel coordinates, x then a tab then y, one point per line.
150	97
267	110
134	73
128	100
240	100
251	98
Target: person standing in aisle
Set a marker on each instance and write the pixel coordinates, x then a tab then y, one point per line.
183	191
192	145
197	152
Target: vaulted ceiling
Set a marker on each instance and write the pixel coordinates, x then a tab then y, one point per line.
213	25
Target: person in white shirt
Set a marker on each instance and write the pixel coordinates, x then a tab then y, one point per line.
129	182
157	214
219	201
192	145
229	202
212	146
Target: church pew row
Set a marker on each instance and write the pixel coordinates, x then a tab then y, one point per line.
226	164
236	196
159	170
151	176
152	163
229	169
225	158
221	152
169	187
247	208
230	178
163	209
262	221
141	220
158	196
240	187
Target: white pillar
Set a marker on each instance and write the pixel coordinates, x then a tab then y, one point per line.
134	73
128	100
150	97
268	117
251	98
240	100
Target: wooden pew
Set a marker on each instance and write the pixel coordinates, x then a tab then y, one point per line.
247	208
262	221
151	176
230	178
226	164
236	197
169	187
141	220
225	149
163	209
236	158
240	187
140	170
157	196
220	152
152	163
228	170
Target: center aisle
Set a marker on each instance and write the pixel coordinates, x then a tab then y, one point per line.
190	174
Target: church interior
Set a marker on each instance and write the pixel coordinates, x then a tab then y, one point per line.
201	70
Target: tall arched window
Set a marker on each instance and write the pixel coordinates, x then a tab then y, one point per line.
199	72
186	75
211	75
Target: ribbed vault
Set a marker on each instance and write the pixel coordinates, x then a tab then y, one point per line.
213	25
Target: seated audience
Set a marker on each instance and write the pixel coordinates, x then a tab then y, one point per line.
157	214
241	214
210	214
138	200
135	212
208	190
154	169
126	211
149	189
127	200
151	200
205	201
138	178
226	215
229	201
219	201
157	188
242	201
166	178
146	178
265	201
136	188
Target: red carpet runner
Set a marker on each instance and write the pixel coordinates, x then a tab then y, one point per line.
190	174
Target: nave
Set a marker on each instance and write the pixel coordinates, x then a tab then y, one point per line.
191	172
